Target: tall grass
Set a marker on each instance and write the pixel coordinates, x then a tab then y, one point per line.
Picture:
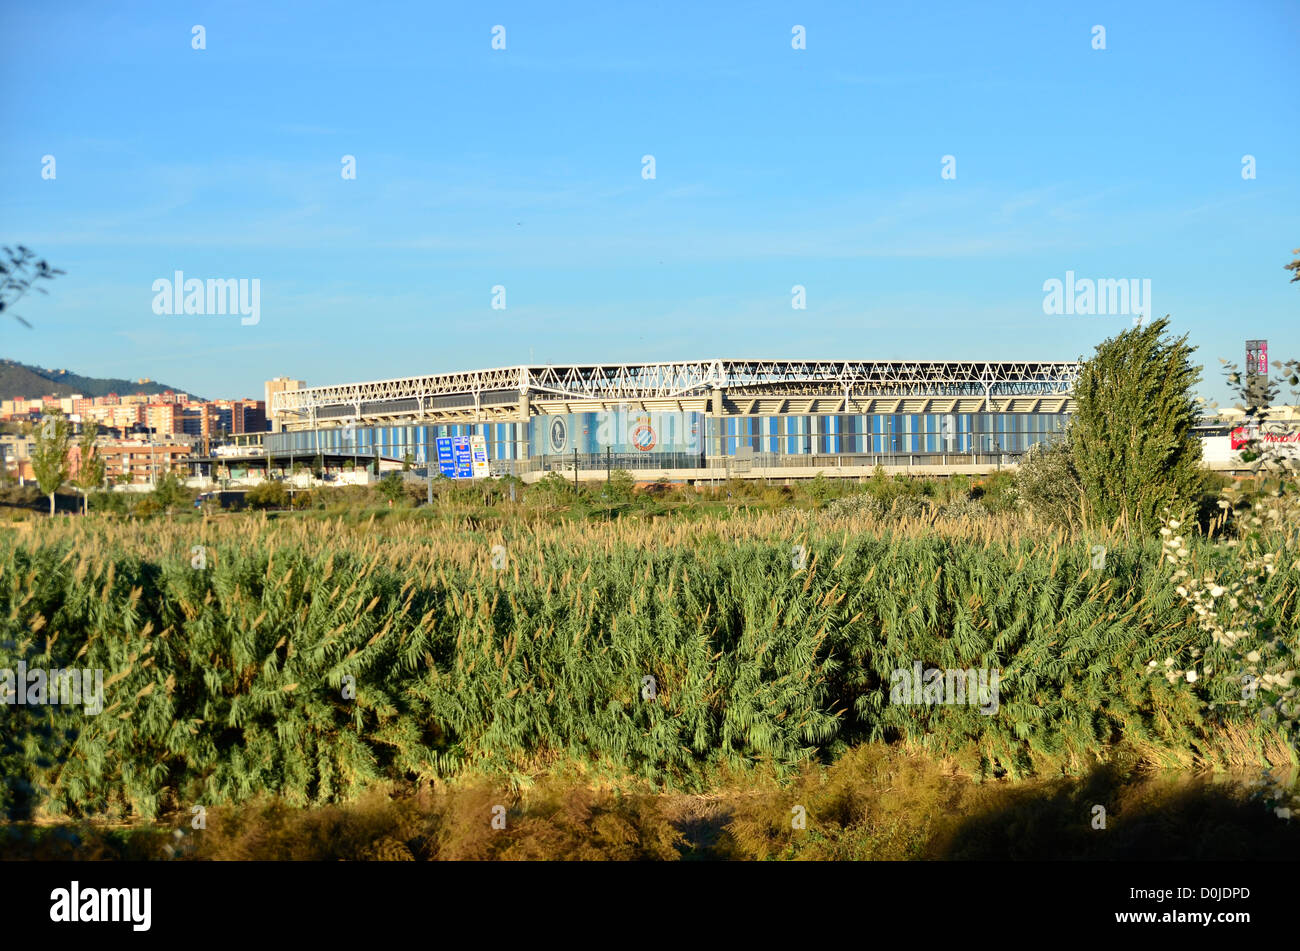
314	659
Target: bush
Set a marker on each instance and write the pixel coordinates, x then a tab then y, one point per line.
146	506
964	508
910	506
549	491
820	489
23	496
997	492
117	503
863	503
882	487
170	493
391	487
1048	484
268	495
622	485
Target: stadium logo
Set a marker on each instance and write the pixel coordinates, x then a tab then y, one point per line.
645	431
559	434
643	434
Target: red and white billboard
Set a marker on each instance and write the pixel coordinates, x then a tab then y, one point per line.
1240	437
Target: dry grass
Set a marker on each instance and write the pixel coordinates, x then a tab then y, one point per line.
875	803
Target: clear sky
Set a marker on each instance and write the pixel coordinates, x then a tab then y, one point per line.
523	167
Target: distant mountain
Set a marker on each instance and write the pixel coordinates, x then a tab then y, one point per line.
18	380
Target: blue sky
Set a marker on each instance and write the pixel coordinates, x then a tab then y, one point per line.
523	168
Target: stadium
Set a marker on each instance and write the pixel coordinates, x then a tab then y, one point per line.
694	420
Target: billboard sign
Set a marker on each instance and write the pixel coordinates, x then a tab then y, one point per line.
1242	435
624	430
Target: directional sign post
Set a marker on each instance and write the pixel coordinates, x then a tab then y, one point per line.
446	460
478	457
462	457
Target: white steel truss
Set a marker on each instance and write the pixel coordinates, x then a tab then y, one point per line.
425	395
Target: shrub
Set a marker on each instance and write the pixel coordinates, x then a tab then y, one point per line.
391	487
866	504
1048	484
170	493
964	508
910	506
820	489
114	502
268	495
622	485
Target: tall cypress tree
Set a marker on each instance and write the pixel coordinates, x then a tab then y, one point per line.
1131	437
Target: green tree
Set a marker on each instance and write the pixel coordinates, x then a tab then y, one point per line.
820	488
881	486
1294	266
50	444
169	493
1131	438
622	485
391	487
90	471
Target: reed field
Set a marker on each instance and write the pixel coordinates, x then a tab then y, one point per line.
315	659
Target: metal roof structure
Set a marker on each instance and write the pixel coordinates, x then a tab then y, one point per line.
479	390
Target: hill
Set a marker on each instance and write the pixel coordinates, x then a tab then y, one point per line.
18	380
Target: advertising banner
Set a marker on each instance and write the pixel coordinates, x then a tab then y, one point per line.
622	430
1275	442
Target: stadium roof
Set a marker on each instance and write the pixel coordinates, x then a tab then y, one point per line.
635	381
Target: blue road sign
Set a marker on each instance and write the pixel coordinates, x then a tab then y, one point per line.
446	462
455	458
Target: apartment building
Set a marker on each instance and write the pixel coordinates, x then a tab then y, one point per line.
281	384
138	459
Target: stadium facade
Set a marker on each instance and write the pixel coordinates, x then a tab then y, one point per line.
742	415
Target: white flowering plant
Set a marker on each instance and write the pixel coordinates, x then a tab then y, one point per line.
1251	663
